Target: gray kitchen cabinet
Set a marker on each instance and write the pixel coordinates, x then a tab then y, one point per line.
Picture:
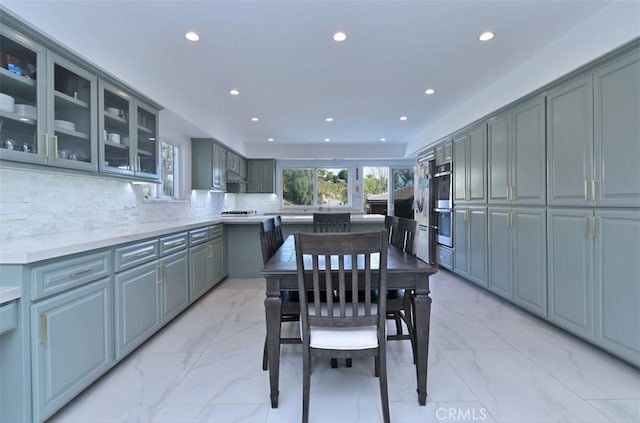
517	155
470	240
71	344
128	128
54	118
616	281
570	142
206	260
208	165
617	133
593	137
444	152
517	256
593	276
444	257
469	166
261	176
137	307
174	275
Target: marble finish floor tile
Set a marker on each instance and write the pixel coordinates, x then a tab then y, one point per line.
488	362
588	371
619	411
514	389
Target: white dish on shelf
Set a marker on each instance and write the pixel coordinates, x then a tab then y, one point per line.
65	124
112	111
7	103
26	110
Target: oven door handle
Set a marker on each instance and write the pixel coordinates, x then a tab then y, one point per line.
442	210
447	173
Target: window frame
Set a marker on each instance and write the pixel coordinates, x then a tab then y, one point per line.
314	167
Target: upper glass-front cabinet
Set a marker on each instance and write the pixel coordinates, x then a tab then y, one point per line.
128	134
22	65
47	107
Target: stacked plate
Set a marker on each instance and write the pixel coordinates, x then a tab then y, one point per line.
65	124
7	103
26	111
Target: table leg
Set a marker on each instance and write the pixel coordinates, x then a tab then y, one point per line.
272	305
423	317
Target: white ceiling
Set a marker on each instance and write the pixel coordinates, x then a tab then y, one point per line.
291	74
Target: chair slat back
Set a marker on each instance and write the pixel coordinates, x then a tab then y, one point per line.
332	222
389	223
403	235
268	240
343	264
277	222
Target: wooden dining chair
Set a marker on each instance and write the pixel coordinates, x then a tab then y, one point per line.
349	326
332	222
399	301
277	222
389	223
290	309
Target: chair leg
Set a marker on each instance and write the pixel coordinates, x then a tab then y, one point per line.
384	393
265	358
306	384
398	320
376	367
410	321
334	363
348	362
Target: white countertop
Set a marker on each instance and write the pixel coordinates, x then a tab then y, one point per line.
9	294
33	249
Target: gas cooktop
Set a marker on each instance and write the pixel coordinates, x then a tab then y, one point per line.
239	213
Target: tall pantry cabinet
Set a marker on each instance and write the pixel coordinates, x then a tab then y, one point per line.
594	166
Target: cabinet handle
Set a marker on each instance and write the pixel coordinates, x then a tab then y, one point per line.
586	190
586	226
173	243
593	189
142	254
594	227
512	189
55	146
46	144
161	272
81	272
43	324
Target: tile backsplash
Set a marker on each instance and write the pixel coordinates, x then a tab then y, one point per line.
46	202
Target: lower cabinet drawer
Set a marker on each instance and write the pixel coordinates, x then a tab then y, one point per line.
135	254
172	243
8	317
61	274
444	257
216	231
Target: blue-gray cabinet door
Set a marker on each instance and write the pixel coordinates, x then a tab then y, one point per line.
616	234
570	264
460	240
530	259
477	165
570	142
460	158
499	129
217	258
617	133
175	282
71	344
137	306
477	245
500	250
528	154
200	270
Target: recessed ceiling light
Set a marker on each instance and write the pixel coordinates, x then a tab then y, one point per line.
329	119
339	36
234	92
383	139
486	36
403	118
192	36
429	91
270	139
327	139
254	119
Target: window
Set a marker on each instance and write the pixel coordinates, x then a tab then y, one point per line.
315	187
169	162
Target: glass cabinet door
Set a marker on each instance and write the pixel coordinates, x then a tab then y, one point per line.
72	117
147	154
115	135
22	116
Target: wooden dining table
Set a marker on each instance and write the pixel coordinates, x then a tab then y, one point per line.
404	271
